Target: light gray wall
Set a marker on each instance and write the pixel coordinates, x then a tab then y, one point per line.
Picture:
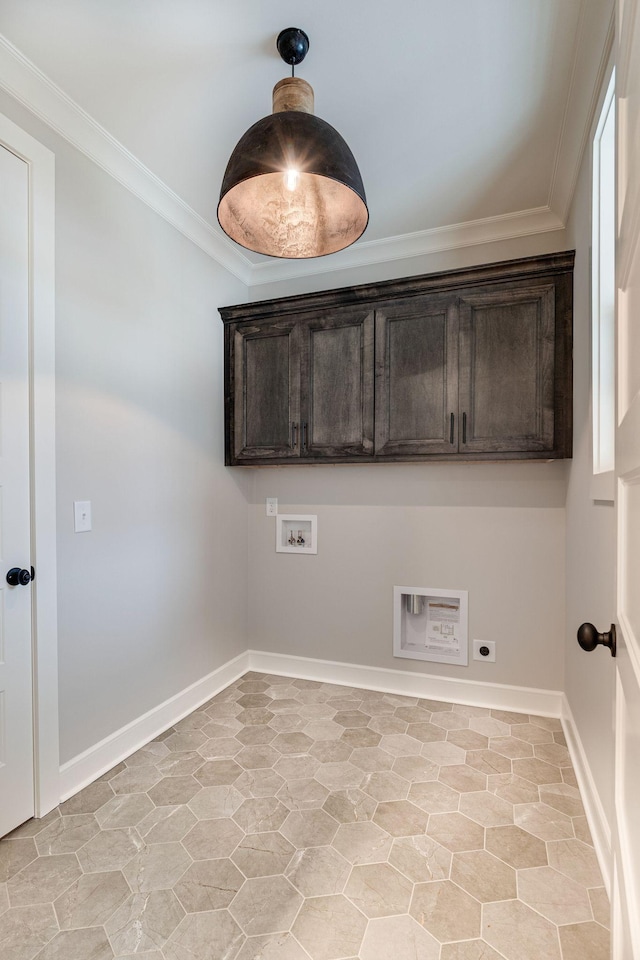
153	598
172	581
496	530
589	677
169	585
499	535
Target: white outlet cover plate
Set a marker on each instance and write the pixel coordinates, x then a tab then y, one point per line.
491	656
82	516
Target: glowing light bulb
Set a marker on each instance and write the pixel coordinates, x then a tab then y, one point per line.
291	178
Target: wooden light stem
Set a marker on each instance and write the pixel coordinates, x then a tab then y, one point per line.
293	93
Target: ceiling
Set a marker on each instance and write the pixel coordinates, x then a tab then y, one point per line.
467	117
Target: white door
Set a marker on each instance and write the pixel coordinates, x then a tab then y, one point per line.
626	833
16	697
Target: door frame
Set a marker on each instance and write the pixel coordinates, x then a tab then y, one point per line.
42	459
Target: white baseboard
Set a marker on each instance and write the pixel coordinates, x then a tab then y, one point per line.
596	817
92	763
545	703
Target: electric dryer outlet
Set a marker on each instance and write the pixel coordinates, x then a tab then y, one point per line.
484	650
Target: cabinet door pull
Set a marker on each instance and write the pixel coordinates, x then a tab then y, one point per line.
464	428
304	434
294	434
452	420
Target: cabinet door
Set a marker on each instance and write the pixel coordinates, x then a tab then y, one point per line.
416	378
266	391
337	384
507	370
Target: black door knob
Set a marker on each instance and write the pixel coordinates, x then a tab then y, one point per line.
17	577
589	638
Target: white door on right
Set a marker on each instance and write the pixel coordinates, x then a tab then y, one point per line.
626	833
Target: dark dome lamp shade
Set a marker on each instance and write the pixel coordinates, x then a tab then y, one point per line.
292	187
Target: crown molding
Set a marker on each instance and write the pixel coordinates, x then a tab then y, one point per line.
422	243
30	86
593	44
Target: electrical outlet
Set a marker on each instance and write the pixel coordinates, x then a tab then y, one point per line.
484	650
272	506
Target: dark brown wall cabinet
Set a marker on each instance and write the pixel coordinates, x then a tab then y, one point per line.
471	364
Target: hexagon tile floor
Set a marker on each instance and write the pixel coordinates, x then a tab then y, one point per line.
295	820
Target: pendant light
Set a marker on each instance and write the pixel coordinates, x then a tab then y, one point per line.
292	187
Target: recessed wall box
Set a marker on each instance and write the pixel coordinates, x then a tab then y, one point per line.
296	533
431	623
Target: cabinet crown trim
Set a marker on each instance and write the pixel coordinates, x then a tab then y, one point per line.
526	268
